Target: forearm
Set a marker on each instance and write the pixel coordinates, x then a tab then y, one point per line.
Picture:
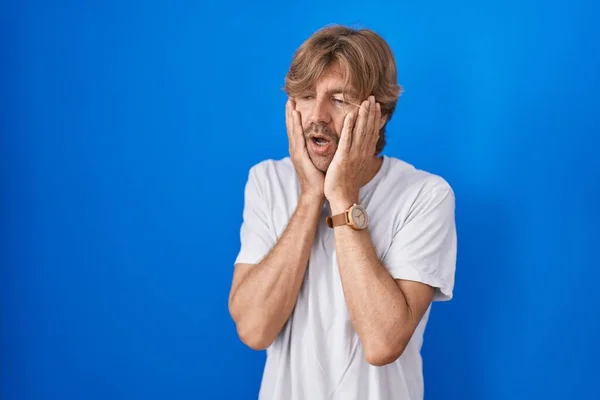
265	298
377	307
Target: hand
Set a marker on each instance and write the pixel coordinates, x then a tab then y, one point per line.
354	155
311	179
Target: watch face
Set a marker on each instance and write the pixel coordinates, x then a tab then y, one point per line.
359	217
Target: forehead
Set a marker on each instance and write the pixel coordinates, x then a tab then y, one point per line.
334	79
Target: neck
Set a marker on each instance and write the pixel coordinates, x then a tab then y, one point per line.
372	170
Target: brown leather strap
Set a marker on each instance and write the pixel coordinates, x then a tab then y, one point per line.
337	220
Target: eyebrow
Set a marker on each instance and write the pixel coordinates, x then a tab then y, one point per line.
337	90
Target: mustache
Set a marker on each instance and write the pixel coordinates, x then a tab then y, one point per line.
321	130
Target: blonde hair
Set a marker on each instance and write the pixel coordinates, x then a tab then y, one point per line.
370	68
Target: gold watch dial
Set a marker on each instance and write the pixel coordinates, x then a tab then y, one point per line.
359	217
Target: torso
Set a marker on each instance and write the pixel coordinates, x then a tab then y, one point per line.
318	355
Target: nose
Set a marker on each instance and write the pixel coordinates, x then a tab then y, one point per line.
320	113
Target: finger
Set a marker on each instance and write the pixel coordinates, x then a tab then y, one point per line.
288	123
361	123
367	135
377	124
298	136
346	135
291	118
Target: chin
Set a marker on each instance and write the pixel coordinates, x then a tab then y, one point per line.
321	163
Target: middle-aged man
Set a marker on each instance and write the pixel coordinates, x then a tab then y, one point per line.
343	249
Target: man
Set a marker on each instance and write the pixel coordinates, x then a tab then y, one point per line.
343	249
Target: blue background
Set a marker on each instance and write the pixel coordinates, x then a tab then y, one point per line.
128	129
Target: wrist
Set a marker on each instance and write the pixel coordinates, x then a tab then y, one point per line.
308	200
342	203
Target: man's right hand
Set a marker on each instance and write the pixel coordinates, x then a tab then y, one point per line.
312	181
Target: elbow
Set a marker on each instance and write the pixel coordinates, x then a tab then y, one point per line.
255	341
384	352
254	335
251	330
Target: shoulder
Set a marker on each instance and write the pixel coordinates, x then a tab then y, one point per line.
272	175
411	191
401	175
271	168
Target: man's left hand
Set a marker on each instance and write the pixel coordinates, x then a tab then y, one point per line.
354	155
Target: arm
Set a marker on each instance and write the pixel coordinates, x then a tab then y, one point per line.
387	299
263	296
384	312
264	293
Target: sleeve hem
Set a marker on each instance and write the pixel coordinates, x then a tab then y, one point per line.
247	259
443	290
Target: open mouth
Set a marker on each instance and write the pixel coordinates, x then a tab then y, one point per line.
320	141
321	145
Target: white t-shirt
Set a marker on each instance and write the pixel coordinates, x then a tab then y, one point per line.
318	354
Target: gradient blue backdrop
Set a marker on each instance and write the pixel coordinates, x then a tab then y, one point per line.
127	132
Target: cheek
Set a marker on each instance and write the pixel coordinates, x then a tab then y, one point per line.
339	124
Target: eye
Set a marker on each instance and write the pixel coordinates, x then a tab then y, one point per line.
339	102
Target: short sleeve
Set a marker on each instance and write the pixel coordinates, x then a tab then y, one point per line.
423	247
256	238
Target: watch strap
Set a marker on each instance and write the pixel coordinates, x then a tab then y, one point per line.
337	220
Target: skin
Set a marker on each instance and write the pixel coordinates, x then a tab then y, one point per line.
384	312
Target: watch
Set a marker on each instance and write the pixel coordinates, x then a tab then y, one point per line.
355	216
